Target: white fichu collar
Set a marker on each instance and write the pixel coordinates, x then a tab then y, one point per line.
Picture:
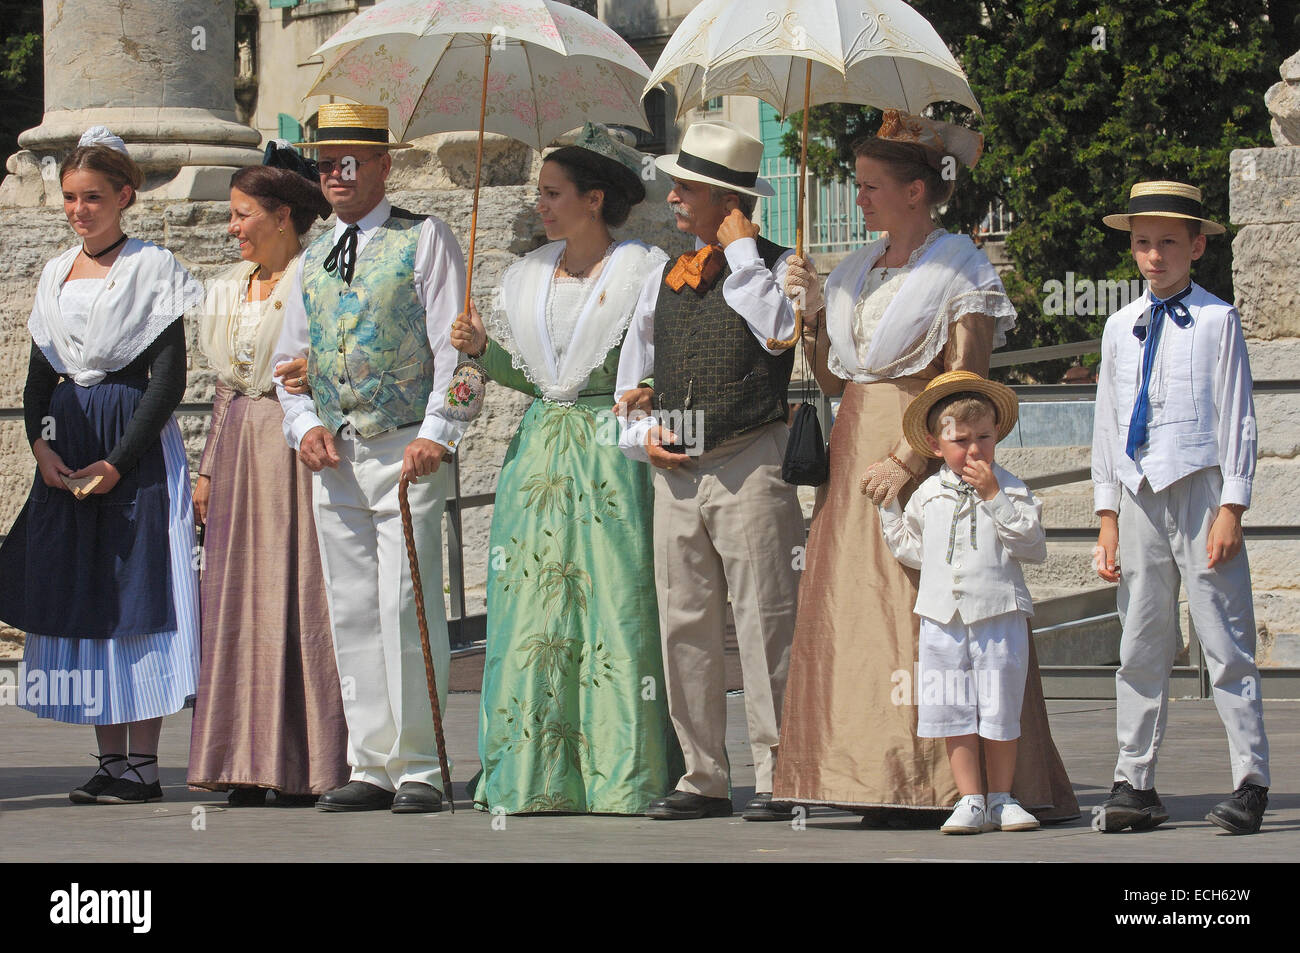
517	319
145	290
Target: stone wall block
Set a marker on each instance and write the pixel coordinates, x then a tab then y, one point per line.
1266	279
1264	186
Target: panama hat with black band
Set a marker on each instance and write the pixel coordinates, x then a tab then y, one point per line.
1164	200
718	153
348	124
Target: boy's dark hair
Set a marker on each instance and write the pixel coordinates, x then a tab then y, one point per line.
963	407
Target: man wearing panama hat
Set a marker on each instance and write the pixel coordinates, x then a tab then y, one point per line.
724	519
370	308
1173	461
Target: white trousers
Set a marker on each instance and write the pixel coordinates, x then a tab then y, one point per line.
1162	539
972	677
372	606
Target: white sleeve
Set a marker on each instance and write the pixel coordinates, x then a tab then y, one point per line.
1018	521
1105	431
440	284
299	409
636	362
903	530
757	294
1234	400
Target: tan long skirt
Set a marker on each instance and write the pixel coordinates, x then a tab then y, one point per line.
846	740
269	710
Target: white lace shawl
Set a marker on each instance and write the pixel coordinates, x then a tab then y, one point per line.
517	318
225	298
949	279
145	290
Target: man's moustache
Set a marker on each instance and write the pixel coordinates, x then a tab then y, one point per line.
681	212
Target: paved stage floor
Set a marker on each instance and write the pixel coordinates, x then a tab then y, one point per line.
40	761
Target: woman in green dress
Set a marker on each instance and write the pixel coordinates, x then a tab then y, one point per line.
574	717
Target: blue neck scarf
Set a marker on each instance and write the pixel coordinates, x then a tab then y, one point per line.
1149	335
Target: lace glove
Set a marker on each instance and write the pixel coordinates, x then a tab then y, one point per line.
804	288
884	480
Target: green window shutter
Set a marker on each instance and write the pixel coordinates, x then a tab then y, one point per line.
283	3
289	128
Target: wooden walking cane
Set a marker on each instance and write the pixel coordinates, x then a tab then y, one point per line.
409	531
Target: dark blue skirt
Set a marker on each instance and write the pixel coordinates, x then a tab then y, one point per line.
96	568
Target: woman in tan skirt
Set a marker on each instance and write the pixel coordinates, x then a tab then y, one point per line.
899	311
269	714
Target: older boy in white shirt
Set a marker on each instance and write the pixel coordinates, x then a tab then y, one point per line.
1173	458
967	529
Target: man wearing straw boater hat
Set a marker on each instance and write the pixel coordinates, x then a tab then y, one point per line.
1173	460
370	308
724	519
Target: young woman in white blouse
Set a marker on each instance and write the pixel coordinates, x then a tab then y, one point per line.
97	569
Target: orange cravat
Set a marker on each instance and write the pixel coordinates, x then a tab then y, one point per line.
699	269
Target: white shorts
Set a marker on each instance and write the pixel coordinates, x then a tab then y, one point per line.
972	677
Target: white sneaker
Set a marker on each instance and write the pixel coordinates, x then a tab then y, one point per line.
1006	814
969	817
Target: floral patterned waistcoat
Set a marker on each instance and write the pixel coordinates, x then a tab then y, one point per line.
370	363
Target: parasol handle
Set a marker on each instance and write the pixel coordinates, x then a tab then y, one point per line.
774	344
478	175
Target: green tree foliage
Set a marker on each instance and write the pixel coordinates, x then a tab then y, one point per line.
20	71
1080	100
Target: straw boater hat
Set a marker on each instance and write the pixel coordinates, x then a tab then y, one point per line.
720	154
346	124
622	163
1165	200
1003	398
938	139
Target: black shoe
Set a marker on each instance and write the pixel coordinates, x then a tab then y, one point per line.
763	808
127	790
1243	812
356	796
685	806
246	797
99	782
416	797
295	800
1129	807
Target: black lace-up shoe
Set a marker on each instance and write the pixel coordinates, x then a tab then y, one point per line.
1131	808
1243	812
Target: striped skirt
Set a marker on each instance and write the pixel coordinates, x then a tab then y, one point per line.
134	677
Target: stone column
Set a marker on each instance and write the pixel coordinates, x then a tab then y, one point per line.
158	73
1264	199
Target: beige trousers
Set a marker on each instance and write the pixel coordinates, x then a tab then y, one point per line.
727	521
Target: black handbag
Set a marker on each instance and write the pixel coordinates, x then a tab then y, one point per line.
807	462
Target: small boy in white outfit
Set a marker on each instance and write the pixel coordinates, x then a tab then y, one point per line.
1173	460
967	529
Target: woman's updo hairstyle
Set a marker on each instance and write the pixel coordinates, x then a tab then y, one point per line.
273	188
588	170
118	167
906	162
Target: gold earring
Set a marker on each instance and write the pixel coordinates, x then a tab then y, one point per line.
282	231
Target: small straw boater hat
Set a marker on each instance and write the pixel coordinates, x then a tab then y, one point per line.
347	124
720	154
1164	200
1003	398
